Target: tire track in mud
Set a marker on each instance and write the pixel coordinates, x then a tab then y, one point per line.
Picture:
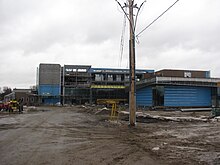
18	129
37	127
116	148
19	133
139	148
73	137
60	134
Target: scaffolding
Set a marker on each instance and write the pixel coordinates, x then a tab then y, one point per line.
81	83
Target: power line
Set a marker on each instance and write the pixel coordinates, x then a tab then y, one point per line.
135	24
138	35
127	15
122	41
132	25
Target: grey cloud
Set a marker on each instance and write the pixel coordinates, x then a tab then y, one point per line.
86	27
80	32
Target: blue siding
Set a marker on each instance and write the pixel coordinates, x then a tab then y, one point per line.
187	96
144	97
49	90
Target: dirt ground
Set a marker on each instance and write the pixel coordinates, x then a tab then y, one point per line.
84	135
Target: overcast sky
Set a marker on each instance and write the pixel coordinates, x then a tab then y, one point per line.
85	32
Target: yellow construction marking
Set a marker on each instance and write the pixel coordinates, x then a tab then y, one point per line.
108	86
109	101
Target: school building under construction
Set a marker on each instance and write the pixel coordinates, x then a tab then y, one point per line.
79	84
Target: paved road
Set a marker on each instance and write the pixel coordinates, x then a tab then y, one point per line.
64	136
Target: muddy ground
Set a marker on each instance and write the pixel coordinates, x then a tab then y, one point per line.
84	135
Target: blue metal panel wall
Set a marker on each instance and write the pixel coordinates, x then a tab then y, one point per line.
144	96
49	90
187	96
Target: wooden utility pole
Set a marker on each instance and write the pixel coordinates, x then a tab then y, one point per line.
132	91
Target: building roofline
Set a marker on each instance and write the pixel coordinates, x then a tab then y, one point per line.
208	82
119	70
190	70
